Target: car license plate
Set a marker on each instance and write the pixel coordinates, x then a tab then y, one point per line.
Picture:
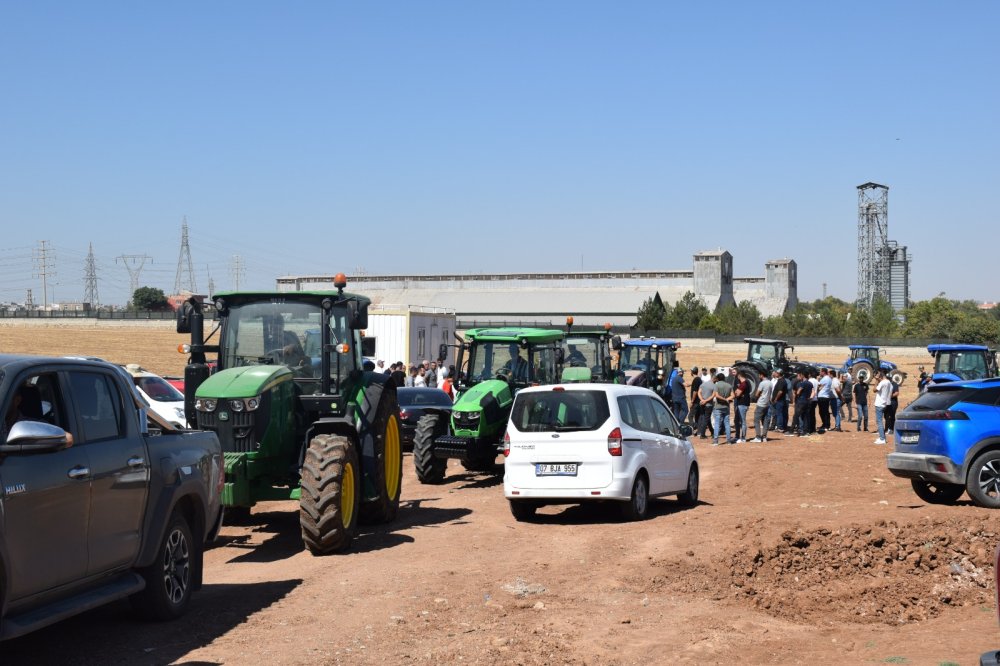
555	469
909	437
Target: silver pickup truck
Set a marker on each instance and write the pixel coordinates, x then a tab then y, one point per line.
98	499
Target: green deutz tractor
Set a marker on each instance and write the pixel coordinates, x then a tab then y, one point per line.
296	424
586	355
501	361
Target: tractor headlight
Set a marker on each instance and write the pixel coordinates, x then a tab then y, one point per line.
204	404
253	403
236	405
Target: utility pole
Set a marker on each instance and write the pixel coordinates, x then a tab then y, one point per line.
90	281
237	271
184	264
211	282
137	262
43	255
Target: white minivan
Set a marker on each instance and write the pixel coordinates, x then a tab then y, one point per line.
574	443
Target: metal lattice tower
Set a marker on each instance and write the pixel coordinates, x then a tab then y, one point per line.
237	271
211	282
184	264
90	280
137	262
44	255
873	243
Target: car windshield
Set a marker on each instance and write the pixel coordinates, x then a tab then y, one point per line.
410	397
965	364
280	332
522	365
559	411
581	352
158	389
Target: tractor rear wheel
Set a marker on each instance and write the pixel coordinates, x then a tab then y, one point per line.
430	469
752	375
897	377
331	494
388	462
862	372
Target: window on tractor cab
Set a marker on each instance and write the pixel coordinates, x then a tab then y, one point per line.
580	353
967	365
542	364
635	358
559	411
270	333
762	352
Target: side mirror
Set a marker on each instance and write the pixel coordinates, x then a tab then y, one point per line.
36	437
616	342
442	352
357	315
686	430
184	313
368	346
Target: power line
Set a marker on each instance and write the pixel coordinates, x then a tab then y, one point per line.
90	280
138	261
184	264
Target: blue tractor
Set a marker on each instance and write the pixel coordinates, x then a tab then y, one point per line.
962	362
646	362
865	360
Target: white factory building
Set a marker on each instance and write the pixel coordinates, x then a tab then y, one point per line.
591	297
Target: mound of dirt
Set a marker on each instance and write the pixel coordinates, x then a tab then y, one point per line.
885	573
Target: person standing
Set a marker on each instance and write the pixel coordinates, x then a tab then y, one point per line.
861	398
813	379
445	384
677	395
742	400
779	402
705	393
847	395
397	375
890	412
411	377
824	392
421	378
836	388
803	401
883	398
722	396
761	416
431	376
695	407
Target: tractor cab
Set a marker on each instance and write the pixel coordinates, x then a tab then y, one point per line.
586	355
646	362
768	354
962	362
518	356
865	353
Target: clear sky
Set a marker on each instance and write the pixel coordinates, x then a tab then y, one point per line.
425	137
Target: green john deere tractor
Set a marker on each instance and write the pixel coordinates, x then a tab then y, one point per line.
501	361
302	423
586	355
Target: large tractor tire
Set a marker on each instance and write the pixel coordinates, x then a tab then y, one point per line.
331	494
862	372
388	473
429	468
751	373
897	377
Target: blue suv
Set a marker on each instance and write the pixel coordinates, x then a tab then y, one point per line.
948	443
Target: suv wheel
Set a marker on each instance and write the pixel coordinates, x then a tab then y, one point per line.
170	579
936	492
983	482
522	510
638	505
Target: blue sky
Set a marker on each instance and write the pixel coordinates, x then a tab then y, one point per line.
506	136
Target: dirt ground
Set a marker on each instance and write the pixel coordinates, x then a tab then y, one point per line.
801	550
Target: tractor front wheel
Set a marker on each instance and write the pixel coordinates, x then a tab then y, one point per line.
861	372
331	494
430	469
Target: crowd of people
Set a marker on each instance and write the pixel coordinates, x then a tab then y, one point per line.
813	401
426	374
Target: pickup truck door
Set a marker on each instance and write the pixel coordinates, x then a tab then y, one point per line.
108	429
46	503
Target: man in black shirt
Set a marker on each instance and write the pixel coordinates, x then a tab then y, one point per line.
779	398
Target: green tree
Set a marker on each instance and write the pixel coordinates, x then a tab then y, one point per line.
884	322
651	315
742	318
149	298
687	313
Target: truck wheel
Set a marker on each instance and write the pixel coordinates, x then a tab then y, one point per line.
690	495
170	578
429	469
638	505
936	492
861	372
331	494
388	463
983	482
522	510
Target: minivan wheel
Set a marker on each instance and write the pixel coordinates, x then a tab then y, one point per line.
638	505
983	482
690	495
936	492
522	510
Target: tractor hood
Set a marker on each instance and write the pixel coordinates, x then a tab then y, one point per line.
492	389
245	382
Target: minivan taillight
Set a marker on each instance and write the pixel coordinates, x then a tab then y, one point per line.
506	444
615	442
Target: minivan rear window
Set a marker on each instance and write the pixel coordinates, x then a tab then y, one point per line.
559	411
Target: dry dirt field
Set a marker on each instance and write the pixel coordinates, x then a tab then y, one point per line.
802	550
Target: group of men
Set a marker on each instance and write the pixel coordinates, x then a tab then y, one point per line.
810	402
427	373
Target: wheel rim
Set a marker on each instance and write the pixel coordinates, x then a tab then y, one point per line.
864	375
392	458
640	497
176	566
989	479
347	495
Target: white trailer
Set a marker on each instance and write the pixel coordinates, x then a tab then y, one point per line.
411	333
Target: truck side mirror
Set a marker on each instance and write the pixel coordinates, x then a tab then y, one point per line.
35	437
616	342
368	346
357	315
184	313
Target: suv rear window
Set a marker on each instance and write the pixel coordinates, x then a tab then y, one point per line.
559	411
938	399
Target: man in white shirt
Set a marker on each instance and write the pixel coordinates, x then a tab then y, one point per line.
835	399
883	396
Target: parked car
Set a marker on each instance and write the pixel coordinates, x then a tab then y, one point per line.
413	402
161	395
992	658
948	443
577	443
97	504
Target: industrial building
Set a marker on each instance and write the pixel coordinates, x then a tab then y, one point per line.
593	298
